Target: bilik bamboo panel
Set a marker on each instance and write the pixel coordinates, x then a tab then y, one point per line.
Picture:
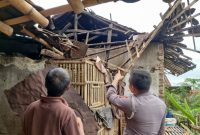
86	79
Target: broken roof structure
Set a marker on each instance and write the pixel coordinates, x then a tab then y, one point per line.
59	33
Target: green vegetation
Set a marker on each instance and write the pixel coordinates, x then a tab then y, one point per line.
186	104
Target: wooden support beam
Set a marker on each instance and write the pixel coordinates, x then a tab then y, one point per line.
87	37
4	3
75	26
129	51
6	29
30	11
76	5
109	39
105	43
54	11
113	48
92	38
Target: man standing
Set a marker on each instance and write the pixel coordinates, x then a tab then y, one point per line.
144	112
51	115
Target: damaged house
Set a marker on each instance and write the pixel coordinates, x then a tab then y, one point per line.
92	49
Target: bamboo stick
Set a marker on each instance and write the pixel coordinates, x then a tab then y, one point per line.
42	41
76	5
27	9
4	3
6	29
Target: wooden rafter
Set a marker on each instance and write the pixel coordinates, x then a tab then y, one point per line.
53	11
30	11
6	29
76	5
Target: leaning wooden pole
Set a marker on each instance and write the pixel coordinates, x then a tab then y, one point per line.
76	5
42	41
29	10
6	29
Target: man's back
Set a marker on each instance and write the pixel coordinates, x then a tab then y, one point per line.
50	116
148	117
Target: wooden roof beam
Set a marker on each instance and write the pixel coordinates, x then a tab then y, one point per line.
4	3
30	11
53	11
76	5
6	29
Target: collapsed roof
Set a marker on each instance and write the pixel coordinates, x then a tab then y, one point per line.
58	32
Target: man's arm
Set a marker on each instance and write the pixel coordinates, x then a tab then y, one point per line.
80	126
122	102
162	127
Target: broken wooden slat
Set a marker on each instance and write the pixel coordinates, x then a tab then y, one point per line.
51	54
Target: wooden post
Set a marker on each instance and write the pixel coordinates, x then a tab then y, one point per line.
27	9
6	29
75	26
109	39
76	5
87	37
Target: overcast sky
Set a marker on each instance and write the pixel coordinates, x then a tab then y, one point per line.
140	16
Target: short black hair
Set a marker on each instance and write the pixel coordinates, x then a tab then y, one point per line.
140	79
56	81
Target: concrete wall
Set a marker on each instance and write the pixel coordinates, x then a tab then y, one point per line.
12	71
152	61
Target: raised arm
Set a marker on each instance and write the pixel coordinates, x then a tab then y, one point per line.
122	102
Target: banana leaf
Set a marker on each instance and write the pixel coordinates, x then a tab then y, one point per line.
182	109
